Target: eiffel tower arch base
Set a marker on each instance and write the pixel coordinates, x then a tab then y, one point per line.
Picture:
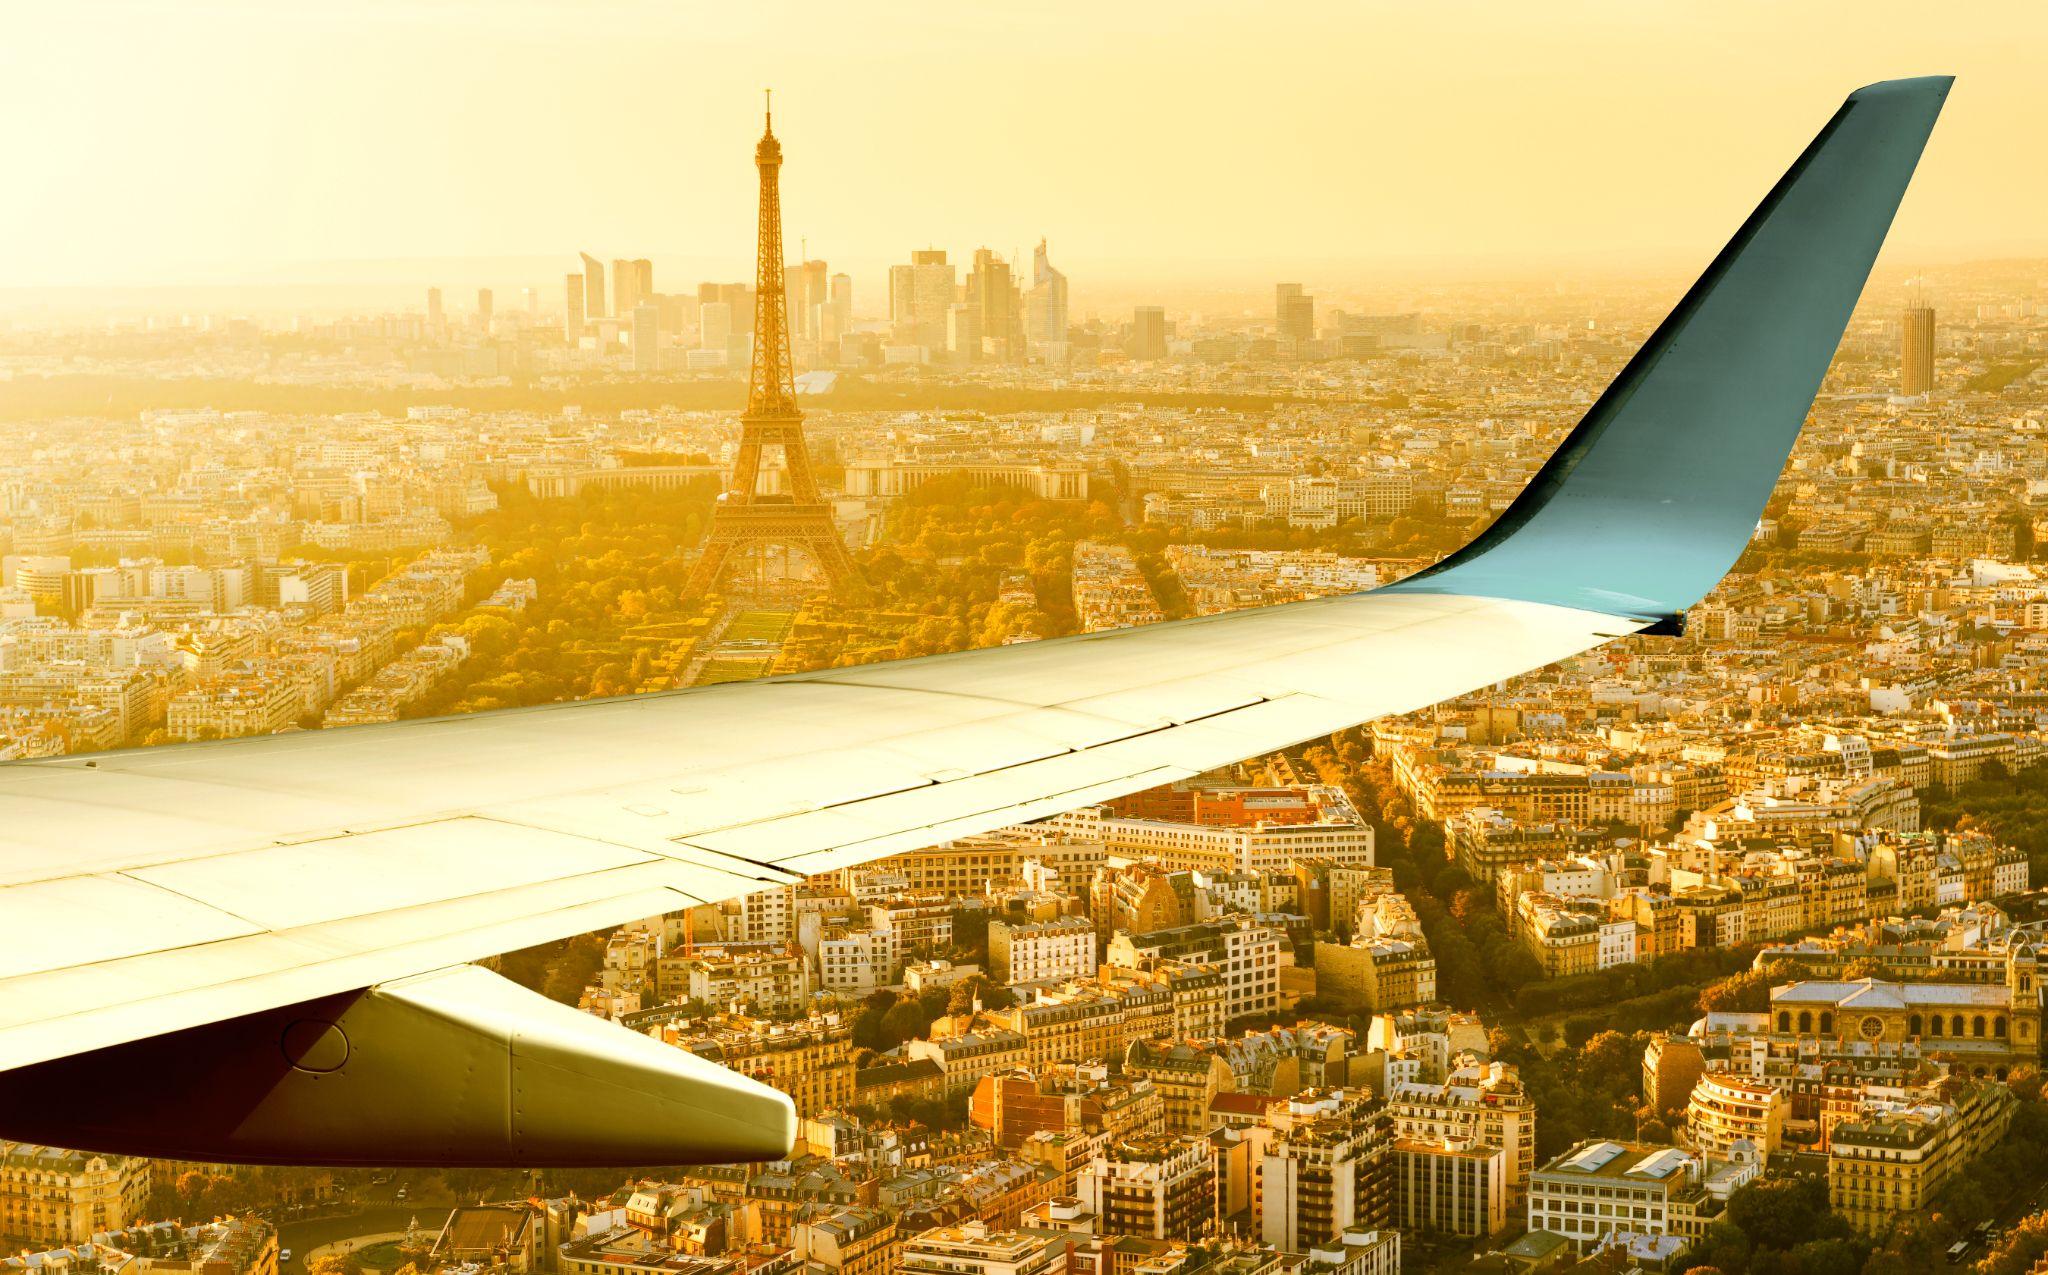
738	528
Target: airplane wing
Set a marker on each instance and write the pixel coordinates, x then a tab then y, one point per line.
254	949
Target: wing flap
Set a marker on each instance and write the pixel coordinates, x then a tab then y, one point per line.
309	883
67	1011
83	920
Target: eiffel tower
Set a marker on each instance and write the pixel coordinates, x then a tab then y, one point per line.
799	518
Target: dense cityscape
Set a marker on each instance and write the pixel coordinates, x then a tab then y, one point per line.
1709	951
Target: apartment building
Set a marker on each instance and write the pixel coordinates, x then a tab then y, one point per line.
848	1241
765	916
771	979
970	865
1377	974
1488	844
1221	847
245	1245
1187	1076
855	960
1563	934
811	1060
1041	951
1894	1155
1197	1006
1079	1023
963	1059
1326	1169
1672	1065
920	924
1432	1037
1158	1185
1245	953
1725	1108
1017	1105
50	1198
1454	1186
1483	1104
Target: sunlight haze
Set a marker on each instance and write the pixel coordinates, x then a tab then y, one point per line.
254	143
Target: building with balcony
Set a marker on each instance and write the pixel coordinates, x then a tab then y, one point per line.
1726	1108
1158	1185
50	1197
1326	1169
1041	951
1483	1104
1453	1186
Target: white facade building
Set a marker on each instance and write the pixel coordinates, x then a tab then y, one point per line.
1041	951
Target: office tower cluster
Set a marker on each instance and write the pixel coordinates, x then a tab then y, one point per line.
629	312
1147	338
710	327
439	328
820	305
935	316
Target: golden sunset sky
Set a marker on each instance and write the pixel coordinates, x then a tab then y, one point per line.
276	140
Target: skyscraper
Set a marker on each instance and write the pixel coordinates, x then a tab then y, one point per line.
572	309
921	297
1148	333
903	304
714	325
739	296
434	314
807	285
632	283
839	308
963	332
1045	310
484	306
1916	350
646	337
593	288
992	292
1294	313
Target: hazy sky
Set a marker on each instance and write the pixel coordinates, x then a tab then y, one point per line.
267	140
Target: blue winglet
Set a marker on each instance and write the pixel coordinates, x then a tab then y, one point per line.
1654	494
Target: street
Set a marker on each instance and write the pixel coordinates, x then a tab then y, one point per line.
302	1237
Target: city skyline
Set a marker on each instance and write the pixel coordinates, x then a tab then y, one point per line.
1479	164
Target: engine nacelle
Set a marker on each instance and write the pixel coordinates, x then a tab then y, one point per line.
455	1067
